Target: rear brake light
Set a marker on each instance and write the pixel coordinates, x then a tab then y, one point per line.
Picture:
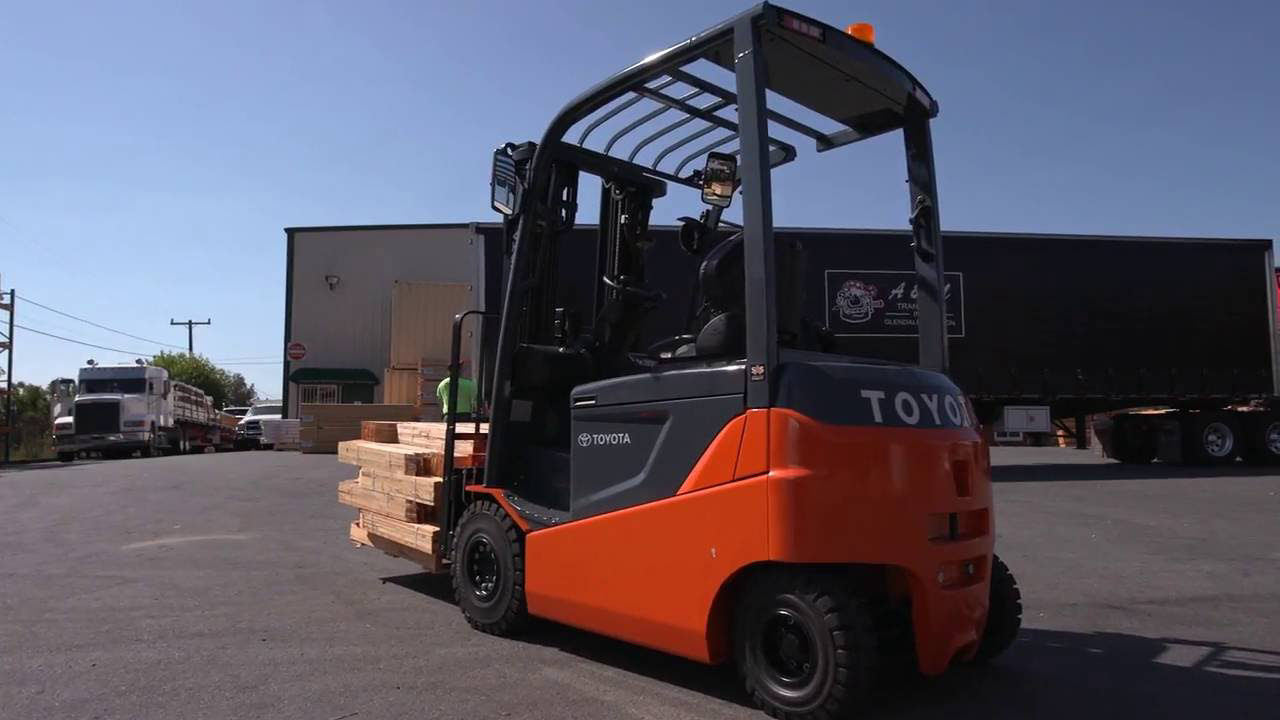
795	24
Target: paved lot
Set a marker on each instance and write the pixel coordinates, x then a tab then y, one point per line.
222	587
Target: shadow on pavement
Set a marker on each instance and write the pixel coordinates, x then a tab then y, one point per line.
1047	674
1085	472
18	467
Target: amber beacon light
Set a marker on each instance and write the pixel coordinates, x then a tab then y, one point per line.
865	32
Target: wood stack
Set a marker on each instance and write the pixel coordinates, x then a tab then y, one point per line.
325	425
400	479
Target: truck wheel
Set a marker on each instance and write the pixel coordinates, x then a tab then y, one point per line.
66	456
1004	613
1262	439
1210	438
488	569
805	647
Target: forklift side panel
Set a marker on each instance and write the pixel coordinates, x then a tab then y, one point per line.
649	574
637	438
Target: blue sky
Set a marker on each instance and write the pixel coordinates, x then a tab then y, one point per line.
151	153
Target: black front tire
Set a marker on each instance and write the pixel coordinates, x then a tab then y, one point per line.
1004	614
487	565
66	456
805	647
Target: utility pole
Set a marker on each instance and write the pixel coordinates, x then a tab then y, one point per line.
6	346
190	335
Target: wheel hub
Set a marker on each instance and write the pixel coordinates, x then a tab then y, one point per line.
482	568
788	648
1218	439
1273	438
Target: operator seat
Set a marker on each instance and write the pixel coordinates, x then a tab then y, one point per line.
720	326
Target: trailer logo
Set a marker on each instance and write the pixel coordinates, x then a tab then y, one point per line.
589	439
856	301
885	303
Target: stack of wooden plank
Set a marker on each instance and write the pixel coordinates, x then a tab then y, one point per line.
400	479
281	434
325	425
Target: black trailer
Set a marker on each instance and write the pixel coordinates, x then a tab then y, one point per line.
1063	326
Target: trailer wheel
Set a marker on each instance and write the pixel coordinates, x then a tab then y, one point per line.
488	569
1004	613
1210	438
1262	439
805	647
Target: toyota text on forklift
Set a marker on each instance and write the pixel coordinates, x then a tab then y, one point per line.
736	491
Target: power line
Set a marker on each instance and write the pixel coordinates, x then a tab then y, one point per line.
81	342
104	327
245	357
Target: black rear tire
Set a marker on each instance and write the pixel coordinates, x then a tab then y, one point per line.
805	647
1210	438
1004	614
1262	439
488	569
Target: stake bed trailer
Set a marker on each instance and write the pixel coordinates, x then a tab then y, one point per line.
120	409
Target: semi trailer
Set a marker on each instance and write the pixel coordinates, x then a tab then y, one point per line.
1166	344
122	409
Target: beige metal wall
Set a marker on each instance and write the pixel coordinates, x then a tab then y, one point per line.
350	326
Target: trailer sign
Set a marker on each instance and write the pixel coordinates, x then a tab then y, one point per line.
882	303
295	350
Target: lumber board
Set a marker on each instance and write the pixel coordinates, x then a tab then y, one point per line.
360	536
420	489
386	457
379	431
351	492
419	536
321	415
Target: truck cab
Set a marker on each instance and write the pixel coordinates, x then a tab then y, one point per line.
119	408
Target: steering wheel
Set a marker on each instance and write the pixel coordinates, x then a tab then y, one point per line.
627	287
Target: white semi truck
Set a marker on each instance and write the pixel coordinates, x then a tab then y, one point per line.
122	409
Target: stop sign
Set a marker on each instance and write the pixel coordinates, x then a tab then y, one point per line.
295	350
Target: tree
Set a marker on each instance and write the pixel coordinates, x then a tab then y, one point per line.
226	389
32	426
240	392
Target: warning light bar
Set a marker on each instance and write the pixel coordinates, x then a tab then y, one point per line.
865	32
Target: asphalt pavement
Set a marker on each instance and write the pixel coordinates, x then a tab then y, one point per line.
223	586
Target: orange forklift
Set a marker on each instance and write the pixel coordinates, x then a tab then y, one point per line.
733	490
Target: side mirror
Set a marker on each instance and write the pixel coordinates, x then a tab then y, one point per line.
504	183
719	179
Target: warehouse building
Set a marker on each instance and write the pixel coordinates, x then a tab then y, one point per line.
369	309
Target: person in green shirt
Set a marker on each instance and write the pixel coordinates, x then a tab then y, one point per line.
466	394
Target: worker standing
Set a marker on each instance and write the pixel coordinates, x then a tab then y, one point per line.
466	394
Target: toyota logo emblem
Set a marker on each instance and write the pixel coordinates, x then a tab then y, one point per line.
584	439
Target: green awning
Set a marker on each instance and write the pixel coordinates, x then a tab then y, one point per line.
333	376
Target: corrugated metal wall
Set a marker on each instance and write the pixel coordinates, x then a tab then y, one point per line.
350	325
